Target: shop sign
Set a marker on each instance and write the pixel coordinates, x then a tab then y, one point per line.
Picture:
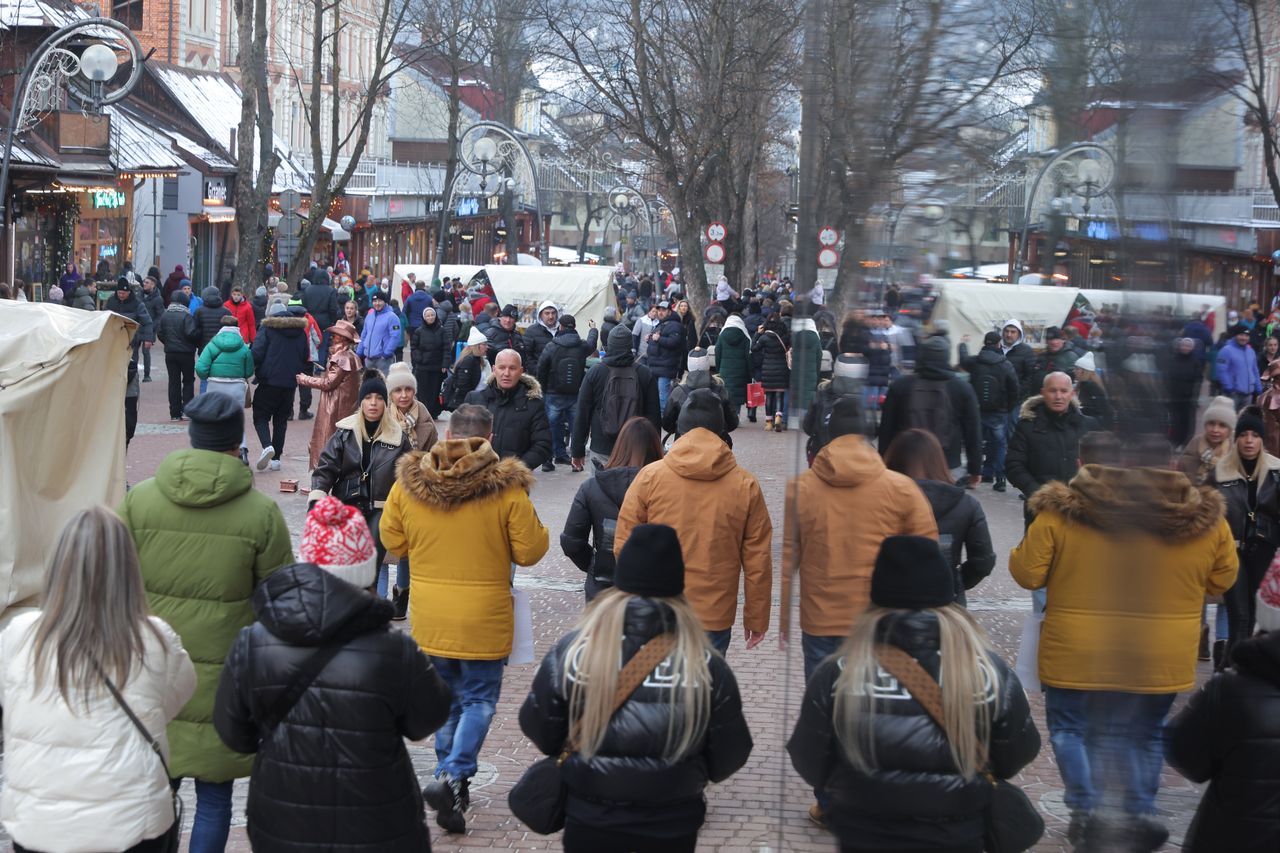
468	207
435	205
108	199
215	192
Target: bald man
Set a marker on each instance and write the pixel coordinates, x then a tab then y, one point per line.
1045	445
520	427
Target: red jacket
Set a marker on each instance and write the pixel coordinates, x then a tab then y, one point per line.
243	312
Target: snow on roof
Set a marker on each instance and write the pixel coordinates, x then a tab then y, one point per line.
39	13
136	148
210	158
30	157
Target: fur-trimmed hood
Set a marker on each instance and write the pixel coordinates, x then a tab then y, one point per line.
389	431
1228	466
458	470
1133	500
284	322
532	389
1032	406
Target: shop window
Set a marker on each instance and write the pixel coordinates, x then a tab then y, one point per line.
128	12
170	193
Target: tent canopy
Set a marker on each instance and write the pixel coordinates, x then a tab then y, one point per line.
583	291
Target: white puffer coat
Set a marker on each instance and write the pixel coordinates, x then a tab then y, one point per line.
83	780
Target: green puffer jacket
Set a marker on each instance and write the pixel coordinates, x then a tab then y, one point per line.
227	356
205	540
806	361
733	359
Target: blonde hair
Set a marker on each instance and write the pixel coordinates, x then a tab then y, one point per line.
592	665
473	349
94	607
968	679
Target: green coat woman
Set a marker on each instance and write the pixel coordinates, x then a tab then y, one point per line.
226	356
733	359
206	539
806	360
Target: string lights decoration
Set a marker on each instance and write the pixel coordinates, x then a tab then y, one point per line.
64	209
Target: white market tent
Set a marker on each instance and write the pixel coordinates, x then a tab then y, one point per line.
583	291
1182	304
62	370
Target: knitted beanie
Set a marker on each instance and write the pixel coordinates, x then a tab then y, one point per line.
337	539
400	376
1222	410
373	383
1250	420
699	360
911	574
651	562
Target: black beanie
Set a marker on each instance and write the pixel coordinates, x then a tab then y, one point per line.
373	383
933	352
1250	420
702	409
651	563
846	418
912	574
216	422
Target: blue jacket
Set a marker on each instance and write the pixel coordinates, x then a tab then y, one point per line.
381	334
1238	369
413	307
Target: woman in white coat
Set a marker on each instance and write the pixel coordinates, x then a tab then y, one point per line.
80	777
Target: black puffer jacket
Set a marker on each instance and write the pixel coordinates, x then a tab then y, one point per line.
177	330
334	774
627	786
280	351
154	302
1045	446
556	377
966	421
962	526
209	315
520	427
694	380
589	415
429	347
594	514
133	308
322	302
1229	736
915	799
770	350
500	339
994	379
667	354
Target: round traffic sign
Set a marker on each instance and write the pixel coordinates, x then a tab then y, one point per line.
828	236
716	232
828	258
714	253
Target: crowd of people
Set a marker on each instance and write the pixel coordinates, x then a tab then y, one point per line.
180	636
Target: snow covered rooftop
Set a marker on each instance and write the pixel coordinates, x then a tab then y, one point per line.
39	13
137	148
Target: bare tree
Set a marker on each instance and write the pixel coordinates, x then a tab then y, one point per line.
257	165
1247	31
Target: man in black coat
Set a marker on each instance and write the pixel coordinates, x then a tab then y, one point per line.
324	304
209	315
178	333
589	416
127	303
952	408
666	350
520	426
1013	343
995	382
1045	445
280	353
502	334
561	369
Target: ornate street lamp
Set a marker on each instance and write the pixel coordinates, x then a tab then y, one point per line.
626	203
1084	169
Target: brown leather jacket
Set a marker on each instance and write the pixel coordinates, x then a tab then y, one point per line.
339	388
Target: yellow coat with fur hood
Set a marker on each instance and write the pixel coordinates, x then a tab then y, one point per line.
462	516
1128	556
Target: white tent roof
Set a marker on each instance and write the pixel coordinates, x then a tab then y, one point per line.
584	291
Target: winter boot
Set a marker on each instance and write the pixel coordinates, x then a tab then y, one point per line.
400	599
1203	652
1219	655
1000	485
445	795
304	415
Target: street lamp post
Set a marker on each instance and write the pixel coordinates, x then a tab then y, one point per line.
625	202
53	66
1088	178
485	149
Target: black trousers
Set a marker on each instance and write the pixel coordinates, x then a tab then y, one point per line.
146	362
304	400
130	419
181	367
272	406
1241	600
429	382
580	838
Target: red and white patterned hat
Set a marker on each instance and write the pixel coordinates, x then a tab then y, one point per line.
1269	599
337	539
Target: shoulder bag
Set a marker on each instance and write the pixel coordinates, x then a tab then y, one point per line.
171	839
538	799
1012	823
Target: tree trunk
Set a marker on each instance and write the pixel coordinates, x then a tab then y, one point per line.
253	189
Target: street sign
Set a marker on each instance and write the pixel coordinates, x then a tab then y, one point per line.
640	242
714	253
290	224
715	233
286	248
828	236
828	258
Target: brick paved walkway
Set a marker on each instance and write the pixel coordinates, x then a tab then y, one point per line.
762	808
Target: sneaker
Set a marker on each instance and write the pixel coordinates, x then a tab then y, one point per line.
400	599
244	456
146	379
576	467
305	415
779	423
1076	829
267	454
1000	485
548	466
444	794
1146	833
275	465
564	461
818	816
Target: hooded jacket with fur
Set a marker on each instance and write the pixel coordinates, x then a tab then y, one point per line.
341	460
1127	556
1045	446
520	426
462	516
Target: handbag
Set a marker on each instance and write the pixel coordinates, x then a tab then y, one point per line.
538	799
171	838
755	394
1011	822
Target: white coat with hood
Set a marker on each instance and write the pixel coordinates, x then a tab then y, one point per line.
540	334
1021	356
82	779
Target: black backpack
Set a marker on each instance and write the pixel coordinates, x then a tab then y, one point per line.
929	408
988	385
567	366
621	399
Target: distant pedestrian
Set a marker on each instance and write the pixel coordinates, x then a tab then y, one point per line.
431	351
339	386
176	329
380	336
615	390
995	383
561	369
1237	368
280	354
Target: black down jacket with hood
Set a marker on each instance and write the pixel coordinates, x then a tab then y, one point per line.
627	786
966	421
209	315
963	524
520	426
589	415
914	799
1229	735
594	513
334	774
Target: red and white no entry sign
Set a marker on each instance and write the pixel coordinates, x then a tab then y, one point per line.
716	232
714	253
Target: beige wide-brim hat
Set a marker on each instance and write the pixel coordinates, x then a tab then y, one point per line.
346	329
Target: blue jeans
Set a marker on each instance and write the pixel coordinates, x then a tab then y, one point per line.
720	640
560	417
1108	740
664	388
402	576
817	649
476	686
383	364
995	442
212	823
